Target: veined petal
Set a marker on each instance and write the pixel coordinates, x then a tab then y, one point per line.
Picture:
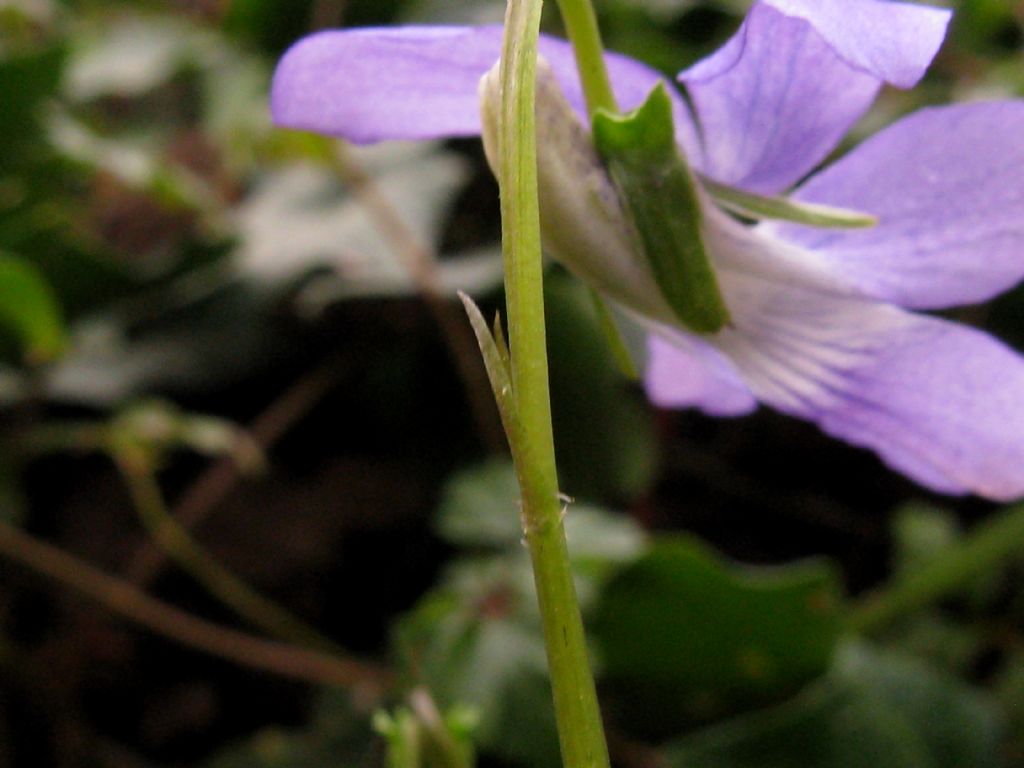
941	403
894	41
947	186
685	372
376	84
779	95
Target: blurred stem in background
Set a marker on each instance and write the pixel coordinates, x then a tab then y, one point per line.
192	558
137	441
990	545
201	498
166	620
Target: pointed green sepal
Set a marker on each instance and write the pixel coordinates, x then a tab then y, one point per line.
660	194
497	362
755	206
613	338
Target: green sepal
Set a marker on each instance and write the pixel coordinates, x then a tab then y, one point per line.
659	192
613	338
755	206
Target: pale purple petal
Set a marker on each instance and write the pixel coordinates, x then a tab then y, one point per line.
896	42
941	403
376	84
781	93
684	372
948	187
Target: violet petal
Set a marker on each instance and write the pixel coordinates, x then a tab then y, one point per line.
684	372
781	93
894	41
946	186
939	402
419	82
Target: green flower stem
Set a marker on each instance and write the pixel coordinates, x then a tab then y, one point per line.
232	591
585	36
989	546
578	717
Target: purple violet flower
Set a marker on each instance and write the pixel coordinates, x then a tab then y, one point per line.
820	322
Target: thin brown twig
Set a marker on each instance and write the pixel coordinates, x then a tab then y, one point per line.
221	582
130	602
213	486
421	263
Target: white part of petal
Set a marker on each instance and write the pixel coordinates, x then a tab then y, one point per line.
685	372
939	402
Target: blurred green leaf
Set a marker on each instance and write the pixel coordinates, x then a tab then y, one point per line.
923	534
480	508
28	77
872	711
419	736
271	24
669	35
30	310
476	640
1009	690
920	533
946	642
235	114
686	634
82	280
957	725
951	640
987	24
